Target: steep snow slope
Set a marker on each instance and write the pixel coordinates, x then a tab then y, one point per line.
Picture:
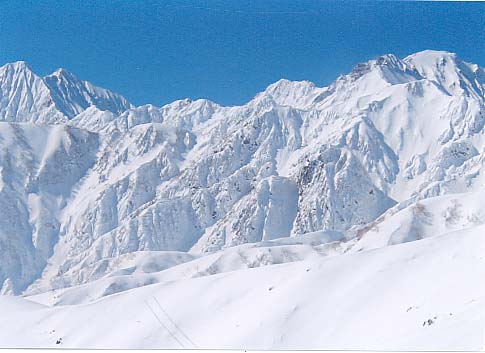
39	167
422	295
196	177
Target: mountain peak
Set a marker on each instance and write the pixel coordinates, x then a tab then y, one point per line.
387	59
383	60
63	73
431	59
286	92
16	66
52	99
73	96
285	85
446	69
383	70
431	56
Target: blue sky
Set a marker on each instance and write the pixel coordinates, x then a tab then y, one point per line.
227	51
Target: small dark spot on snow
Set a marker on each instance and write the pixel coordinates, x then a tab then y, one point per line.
270	288
307	270
429	322
59	341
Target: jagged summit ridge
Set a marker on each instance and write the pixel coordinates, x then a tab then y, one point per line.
73	96
56	98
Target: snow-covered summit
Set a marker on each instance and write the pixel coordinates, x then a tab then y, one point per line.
291	93
449	72
25	97
72	96
56	98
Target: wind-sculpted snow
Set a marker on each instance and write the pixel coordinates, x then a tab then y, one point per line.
109	179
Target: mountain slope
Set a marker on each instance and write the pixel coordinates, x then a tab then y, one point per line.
40	166
435	216
341	302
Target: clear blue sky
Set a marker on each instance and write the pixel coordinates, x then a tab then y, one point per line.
226	51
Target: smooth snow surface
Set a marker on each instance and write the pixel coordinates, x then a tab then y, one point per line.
376	300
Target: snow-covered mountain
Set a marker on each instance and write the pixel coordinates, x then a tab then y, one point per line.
99	196
54	99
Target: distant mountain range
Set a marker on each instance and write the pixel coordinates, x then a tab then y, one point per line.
86	177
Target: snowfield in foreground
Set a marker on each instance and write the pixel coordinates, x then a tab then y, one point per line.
422	295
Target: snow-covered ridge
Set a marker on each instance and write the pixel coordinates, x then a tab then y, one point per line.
95	179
